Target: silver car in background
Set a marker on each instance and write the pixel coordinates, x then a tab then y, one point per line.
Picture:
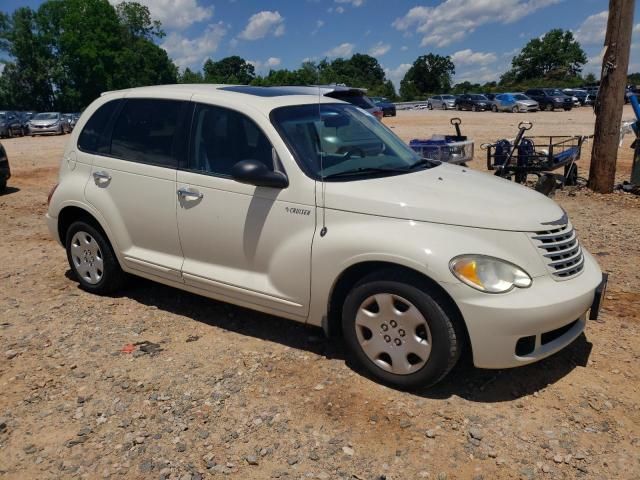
442	102
48	123
514	102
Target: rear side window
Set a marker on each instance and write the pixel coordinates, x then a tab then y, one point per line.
146	132
220	138
93	137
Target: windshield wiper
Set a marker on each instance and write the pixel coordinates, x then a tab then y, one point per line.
423	162
363	171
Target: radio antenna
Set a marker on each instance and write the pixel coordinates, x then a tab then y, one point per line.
323	230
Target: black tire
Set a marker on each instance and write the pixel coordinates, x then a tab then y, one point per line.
446	337
494	108
429	106
458	107
444	106
515	109
548	107
113	278
3	185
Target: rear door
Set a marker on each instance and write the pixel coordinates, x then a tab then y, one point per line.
250	245
133	183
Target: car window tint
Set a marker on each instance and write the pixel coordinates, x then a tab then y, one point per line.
145	132
220	138
92	139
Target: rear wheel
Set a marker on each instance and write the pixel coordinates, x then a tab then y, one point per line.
429	106
458	107
400	332
549	107
494	108
92	259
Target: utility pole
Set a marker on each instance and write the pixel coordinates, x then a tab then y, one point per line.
610	100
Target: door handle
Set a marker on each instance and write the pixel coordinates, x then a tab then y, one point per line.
188	194
101	177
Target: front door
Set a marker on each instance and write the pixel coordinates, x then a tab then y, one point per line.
245	244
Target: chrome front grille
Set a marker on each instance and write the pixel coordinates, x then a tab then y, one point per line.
561	251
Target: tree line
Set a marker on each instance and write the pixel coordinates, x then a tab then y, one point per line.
64	54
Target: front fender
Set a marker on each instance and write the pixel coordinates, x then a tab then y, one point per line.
424	247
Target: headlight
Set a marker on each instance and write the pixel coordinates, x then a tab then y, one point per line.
489	274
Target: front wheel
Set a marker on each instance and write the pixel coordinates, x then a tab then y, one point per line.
494	108
515	109
458	107
549	108
400	332
92	259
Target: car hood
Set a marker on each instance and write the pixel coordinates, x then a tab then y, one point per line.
43	122
447	194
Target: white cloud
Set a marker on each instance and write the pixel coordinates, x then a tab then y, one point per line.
469	57
263	24
593	29
176	14
404	48
397	74
1	68
479	75
379	49
452	20
355	3
268	64
342	50
192	52
319	25
338	9
594	62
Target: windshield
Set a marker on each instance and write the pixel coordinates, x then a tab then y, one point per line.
330	140
478	97
45	116
520	96
448	97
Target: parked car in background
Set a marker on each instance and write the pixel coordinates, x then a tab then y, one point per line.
514	102
70	119
25	117
550	98
441	102
354	96
48	123
473	101
388	108
582	95
10	124
5	170
408	264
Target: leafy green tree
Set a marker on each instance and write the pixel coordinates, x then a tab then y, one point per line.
232	69
555	56
189	76
632	79
68	52
430	73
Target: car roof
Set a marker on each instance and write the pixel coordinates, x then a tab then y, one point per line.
262	98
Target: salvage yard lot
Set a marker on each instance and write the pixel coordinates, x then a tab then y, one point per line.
237	394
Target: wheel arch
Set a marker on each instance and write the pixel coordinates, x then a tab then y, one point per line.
72	213
352	274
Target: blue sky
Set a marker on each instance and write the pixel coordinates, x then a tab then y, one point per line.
481	35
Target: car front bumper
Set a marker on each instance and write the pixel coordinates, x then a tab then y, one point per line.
34	130
552	312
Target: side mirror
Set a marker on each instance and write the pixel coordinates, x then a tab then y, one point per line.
256	173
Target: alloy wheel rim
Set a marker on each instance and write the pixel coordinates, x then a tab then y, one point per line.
87	257
393	333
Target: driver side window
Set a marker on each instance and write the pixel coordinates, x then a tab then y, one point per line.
220	138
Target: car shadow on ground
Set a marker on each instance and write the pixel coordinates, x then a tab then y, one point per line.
465	381
9	191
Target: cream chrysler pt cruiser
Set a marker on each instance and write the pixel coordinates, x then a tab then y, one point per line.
309	208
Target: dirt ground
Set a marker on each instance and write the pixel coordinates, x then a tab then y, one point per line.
238	394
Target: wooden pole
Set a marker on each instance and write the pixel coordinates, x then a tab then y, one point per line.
610	100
